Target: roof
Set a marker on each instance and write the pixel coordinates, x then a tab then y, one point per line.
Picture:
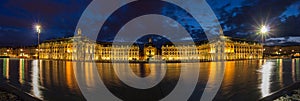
70	39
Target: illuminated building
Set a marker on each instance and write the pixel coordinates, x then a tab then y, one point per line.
28	52
124	51
222	48
105	51
285	51
74	48
6	52
80	47
150	51
183	51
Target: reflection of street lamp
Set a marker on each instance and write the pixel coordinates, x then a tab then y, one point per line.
38	30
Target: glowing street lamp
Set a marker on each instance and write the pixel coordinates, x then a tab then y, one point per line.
263	31
38	31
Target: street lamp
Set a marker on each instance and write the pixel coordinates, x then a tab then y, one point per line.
38	31
264	30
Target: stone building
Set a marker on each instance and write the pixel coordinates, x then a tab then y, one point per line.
74	48
222	48
80	47
288	51
150	51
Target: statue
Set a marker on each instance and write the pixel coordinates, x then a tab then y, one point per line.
79	31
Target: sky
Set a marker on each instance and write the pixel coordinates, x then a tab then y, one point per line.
59	18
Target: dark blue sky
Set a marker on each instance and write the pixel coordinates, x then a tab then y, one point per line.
59	18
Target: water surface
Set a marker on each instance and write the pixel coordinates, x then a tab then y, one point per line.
55	80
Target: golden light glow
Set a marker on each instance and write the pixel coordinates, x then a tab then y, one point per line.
264	29
21	71
266	73
35	79
69	74
6	68
205	52
38	28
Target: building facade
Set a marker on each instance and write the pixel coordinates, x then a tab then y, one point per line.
28	52
6	52
285	51
82	48
124	52
223	48
179	51
150	51
73	48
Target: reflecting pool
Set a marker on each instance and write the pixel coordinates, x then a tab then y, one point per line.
55	80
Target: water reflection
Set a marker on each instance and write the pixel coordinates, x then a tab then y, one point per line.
293	70
21	71
69	73
279	66
155	73
35	79
6	68
297	66
266	71
55	80
216	75
40	73
89	75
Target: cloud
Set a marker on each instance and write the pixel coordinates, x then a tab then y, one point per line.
9	29
243	18
58	18
292	10
187	39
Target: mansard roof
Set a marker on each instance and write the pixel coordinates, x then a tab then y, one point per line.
70	39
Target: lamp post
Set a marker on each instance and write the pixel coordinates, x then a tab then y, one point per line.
38	30
263	31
